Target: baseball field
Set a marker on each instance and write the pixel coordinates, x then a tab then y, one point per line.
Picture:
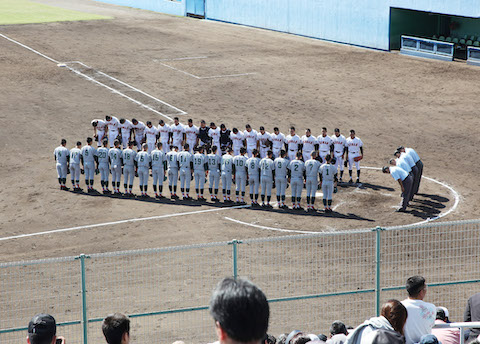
57	77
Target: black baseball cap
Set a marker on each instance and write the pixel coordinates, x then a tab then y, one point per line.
400	148
42	328
337	130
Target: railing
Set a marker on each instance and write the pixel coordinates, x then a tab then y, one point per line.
460	325
423	47
473	56
310	280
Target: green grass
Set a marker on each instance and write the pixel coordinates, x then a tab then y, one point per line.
27	12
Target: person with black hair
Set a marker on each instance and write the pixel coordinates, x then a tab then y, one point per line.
116	329
240	311
445	335
338	333
421	314
62	158
42	329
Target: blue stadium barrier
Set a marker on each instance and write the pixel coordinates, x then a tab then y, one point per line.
473	56
422	47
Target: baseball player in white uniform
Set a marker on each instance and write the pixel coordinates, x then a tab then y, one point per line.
113	124
214	162
296	171
278	141
328	176
264	142
227	170
191	134
251	139
267	176
240	173
172	163
281	164
338	141
88	157
151	134
354	150
139	131
99	127
143	165
324	144
253	168
129	166
165	133
214	134
75	166
115	159
185	160
126	131
178	133
237	138
159	166
293	142
312	166
103	166
308	145
62	156
200	166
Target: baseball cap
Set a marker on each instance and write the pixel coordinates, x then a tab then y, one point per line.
429	339
42	328
396	152
400	147
444	309
337	130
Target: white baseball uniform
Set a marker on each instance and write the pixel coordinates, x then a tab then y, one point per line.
143	163
100	130
338	149
251	137
214	134
164	131
280	165
115	155
311	170
266	176
151	137
263	141
353	146
88	153
277	143
191	132
126	129
185	158
328	172
172	161
177	134
240	163
128	156
226	167
112	125
293	142
75	165
237	140
214	171
296	167
139	130
309	143
61	156
253	166
324	144
158	162
103	164
199	161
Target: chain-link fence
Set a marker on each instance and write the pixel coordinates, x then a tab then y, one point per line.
310	281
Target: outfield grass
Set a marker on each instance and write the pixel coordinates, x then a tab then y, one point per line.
26	12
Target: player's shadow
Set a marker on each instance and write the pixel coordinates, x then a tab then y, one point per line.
427	208
334	214
436	198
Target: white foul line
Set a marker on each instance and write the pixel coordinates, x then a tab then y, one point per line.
452	190
182	58
120	222
204	77
27	47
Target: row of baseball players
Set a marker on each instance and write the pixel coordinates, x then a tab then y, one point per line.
264	174
407	170
343	149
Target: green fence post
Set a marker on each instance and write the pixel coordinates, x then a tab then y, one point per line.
378	258
235	243
84	299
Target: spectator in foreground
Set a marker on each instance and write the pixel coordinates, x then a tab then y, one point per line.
421	314
240	311
42	329
338	333
429	339
445	335
385	329
116	329
472	313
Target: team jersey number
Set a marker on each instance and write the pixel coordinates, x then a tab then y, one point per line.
102	155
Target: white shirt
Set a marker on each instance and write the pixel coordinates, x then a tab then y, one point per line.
75	156
309	143
312	167
278	140
266	167
112	124
251	137
126	127
237	139
296	168
151	134
191	133
280	165
139	128
263	138
215	135
293	142
100	124
158	158
178	131
353	144
324	143
420	320
338	143
61	154
164	131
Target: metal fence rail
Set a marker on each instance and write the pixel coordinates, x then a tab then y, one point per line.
310	281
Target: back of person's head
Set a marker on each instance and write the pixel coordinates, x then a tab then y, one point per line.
415	285
338	327
240	309
396	314
42	329
301	339
322	337
429	339
282	338
440	314
114	328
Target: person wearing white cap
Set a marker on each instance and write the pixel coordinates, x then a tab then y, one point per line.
445	335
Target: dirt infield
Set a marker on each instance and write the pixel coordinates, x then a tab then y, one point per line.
387	98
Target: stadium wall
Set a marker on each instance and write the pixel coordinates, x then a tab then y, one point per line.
364	23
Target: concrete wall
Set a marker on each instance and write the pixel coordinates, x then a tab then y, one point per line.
164	6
